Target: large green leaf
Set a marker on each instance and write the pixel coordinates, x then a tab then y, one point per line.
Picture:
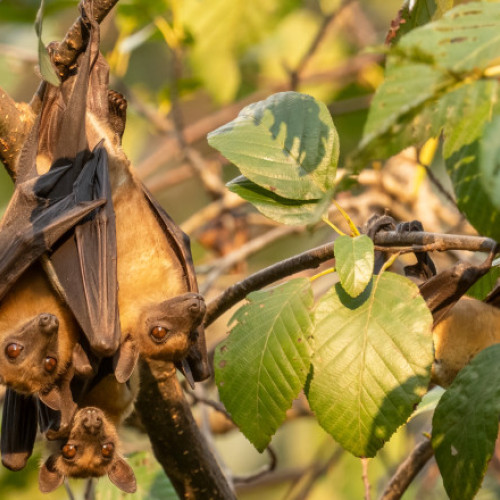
152	483
476	181
286	144
434	80
278	208
465	425
264	362
354	259
483	286
371	363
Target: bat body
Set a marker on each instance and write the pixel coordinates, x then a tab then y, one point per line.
469	327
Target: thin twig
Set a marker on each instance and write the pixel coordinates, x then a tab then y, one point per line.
366	479
407	471
389	240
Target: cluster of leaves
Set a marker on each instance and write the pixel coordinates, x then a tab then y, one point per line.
363	352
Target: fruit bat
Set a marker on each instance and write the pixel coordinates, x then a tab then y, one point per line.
90	447
153	259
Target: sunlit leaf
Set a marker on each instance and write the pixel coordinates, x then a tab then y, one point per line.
465	425
264	362
277	208
354	259
434	80
371	361
286	144
429	402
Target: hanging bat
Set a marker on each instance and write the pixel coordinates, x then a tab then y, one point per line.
91	447
154	264
462	326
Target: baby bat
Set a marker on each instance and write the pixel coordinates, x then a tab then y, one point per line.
91	447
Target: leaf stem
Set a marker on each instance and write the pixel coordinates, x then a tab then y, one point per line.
354	229
333	226
323	273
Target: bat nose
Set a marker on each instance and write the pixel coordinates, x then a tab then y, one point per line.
92	420
48	323
197	306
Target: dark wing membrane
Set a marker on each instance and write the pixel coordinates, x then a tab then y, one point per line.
29	231
197	358
85	263
19	426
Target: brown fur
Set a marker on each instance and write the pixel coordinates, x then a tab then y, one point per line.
468	328
29	298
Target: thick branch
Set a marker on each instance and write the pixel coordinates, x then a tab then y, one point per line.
15	122
390	240
407	471
66	53
177	442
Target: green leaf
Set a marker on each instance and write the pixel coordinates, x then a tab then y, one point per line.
47	70
152	483
371	363
429	401
482	287
280	209
434	80
420	13
465	425
264	362
286	144
476	182
354	259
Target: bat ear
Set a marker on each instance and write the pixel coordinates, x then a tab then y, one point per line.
52	399
125	360
121	474
49	478
81	362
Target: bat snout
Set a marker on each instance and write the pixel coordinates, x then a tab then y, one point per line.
92	420
48	323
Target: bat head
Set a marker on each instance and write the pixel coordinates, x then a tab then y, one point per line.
31	361
166	332
89	451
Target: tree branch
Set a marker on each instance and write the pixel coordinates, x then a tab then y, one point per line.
388	241
178	444
73	44
407	471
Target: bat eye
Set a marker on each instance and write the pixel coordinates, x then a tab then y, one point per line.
13	350
107	450
50	364
68	451
158	334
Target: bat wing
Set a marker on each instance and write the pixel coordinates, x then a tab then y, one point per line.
19	426
83	266
85	263
197	359
30	227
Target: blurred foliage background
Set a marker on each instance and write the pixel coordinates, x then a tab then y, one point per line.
186	67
